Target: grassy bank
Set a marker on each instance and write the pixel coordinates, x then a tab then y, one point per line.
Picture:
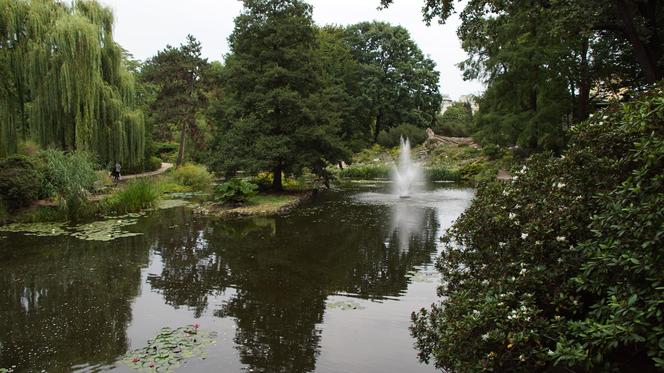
444	163
263	204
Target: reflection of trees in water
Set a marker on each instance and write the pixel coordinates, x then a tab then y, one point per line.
283	269
65	302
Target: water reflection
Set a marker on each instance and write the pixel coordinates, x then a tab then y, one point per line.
59	307
67	302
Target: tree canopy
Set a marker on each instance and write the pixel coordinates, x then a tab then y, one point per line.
64	83
178	74
548	64
276	115
400	84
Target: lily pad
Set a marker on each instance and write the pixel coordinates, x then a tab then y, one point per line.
36	229
345	305
105	230
171	203
167	351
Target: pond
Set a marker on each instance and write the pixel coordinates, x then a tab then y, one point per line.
328	287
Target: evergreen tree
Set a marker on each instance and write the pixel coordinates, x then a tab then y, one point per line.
276	116
178	74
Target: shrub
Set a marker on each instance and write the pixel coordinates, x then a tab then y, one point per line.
560	270
442	174
69	177
135	196
366	171
153	164
195	176
235	191
392	136
19	181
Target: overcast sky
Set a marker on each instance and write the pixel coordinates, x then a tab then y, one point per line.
145	26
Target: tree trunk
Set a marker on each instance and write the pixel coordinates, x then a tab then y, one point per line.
276	181
183	137
583	107
645	56
379	119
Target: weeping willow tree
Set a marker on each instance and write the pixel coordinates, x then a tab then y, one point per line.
63	81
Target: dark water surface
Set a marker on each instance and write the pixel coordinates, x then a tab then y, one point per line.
266	285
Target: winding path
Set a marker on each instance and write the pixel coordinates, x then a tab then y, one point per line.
164	167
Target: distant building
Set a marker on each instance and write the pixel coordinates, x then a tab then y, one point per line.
447	102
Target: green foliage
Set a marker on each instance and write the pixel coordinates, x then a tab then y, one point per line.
442	174
135	196
169	349
64	82
153	164
177	76
366	171
547	66
235	191
276	115
194	176
19	182
70	177
456	121
400	84
561	267
391	137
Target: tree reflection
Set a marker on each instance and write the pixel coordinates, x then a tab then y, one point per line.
283	269
65	302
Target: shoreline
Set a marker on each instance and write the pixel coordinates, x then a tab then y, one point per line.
287	201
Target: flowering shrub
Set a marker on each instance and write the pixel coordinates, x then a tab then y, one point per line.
564	266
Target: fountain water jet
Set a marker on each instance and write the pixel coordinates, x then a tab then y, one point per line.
406	175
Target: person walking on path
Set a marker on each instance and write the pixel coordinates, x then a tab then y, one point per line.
116	171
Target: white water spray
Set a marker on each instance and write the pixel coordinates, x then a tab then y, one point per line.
406	175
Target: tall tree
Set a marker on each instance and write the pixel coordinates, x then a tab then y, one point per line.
64	81
178	74
591	49
400	83
276	115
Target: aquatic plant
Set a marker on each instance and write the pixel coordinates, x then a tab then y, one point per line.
104	230
137	195
170	348
35	229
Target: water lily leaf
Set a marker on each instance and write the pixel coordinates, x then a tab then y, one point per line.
169	348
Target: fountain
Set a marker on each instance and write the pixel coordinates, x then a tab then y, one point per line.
407	174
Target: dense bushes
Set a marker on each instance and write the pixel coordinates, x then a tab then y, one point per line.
235	191
562	267
69	177
137	195
195	176
20	181
392	137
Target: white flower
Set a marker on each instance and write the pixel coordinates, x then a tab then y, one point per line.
476	312
551	353
506	193
538	242
512	216
523	271
560	185
561	238
605	117
524	236
485	336
501	244
522	358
